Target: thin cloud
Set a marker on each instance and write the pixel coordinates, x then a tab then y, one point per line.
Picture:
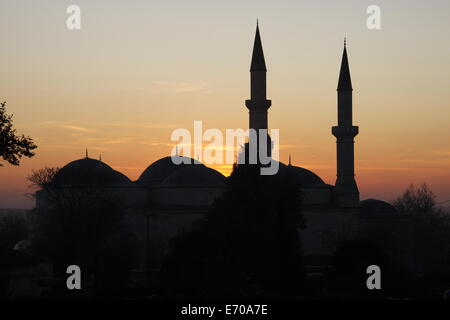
66	126
143	125
128	168
96	124
156	144
179	87
292	146
76	128
441	153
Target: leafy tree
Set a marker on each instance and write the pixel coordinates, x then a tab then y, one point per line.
12	146
247	247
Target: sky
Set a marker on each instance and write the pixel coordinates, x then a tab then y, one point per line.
137	70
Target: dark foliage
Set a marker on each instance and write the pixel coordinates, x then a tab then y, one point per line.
13	228
83	226
12	146
346	279
417	200
431	229
247	247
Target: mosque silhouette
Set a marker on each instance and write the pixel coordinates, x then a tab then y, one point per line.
168	198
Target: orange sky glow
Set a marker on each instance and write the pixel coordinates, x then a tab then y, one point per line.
137	70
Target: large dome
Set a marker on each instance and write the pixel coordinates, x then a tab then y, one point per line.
305	177
89	172
195	175
162	168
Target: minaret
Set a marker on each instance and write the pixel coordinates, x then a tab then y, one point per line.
346	190
258	104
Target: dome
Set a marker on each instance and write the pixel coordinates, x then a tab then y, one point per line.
89	172
305	177
162	168
374	206
195	175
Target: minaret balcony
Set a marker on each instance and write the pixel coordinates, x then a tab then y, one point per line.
345	131
258	104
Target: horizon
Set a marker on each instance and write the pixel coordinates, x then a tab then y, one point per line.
120	89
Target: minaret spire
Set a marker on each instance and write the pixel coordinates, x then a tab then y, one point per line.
258	62
87	155
345	81
346	189
258	103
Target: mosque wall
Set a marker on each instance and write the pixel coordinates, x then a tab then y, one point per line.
185	196
154	229
392	232
317	195
325	229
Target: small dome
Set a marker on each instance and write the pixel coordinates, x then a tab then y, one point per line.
89	172
195	175
305	177
162	168
374	206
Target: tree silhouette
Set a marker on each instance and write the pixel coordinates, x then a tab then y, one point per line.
81	225
12	146
247	247
42	179
346	279
417	200
431	228
13	228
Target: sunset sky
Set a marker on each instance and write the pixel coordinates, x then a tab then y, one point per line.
139	69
